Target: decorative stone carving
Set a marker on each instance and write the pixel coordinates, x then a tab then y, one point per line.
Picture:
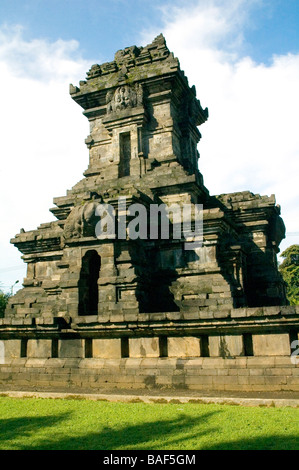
127	55
277	230
124	97
81	221
89	141
95	71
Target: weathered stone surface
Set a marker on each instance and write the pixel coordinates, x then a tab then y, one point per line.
183	347
240	374
70	348
11	348
39	348
226	346
271	345
106	348
144	347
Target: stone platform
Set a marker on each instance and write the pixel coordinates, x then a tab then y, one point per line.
249	350
244	374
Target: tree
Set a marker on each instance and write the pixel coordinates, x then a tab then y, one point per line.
3	302
289	270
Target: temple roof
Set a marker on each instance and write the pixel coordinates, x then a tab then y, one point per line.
131	65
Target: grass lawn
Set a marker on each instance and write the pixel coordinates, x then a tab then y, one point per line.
50	424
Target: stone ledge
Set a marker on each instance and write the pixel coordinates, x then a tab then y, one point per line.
161	398
192	312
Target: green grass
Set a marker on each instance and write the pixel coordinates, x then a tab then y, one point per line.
31	424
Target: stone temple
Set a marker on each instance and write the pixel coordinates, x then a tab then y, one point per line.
102	313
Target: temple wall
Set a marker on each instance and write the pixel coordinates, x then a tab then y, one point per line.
249	374
217	345
95	364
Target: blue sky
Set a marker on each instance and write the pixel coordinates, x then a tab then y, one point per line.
102	27
243	57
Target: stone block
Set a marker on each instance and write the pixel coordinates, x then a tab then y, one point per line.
288	310
238	312
213	363
255	312
201	380
39	348
221	313
191	315
70	348
206	314
130	317
149	363
283	361
271	345
158	316
144	347
260	362
106	348
226	346
183	347
10	349
271	310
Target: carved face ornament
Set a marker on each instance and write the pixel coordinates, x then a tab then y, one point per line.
124	97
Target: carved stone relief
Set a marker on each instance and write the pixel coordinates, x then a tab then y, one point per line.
81	221
124	97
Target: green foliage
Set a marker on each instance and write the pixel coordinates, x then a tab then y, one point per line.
289	270
3	302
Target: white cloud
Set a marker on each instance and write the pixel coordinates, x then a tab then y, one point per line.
42	135
251	140
38	58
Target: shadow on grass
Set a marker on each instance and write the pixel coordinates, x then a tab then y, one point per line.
12	428
155	435
275	442
148	435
